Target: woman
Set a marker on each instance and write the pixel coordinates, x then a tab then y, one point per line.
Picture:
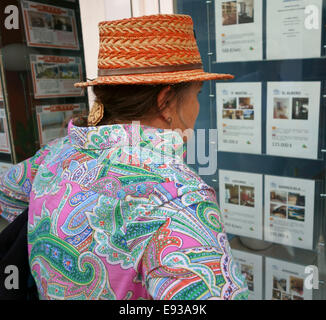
114	211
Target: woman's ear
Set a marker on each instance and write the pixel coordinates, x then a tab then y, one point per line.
163	98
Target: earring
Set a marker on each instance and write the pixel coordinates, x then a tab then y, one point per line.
96	114
169	120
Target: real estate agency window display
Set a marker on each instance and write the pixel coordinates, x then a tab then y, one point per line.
41	62
271	136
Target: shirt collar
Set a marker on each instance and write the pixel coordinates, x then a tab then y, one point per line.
133	135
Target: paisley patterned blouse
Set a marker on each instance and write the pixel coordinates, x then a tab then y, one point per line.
115	213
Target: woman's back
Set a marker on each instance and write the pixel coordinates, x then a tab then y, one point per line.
104	227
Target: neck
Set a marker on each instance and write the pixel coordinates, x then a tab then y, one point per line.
155	123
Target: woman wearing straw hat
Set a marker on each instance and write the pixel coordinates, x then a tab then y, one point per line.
114	211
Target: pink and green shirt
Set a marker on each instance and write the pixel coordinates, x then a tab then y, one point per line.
115	213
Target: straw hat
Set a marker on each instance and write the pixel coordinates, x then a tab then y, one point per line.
149	50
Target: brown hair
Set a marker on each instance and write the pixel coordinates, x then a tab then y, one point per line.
133	102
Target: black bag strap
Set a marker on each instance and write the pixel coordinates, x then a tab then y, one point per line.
13	252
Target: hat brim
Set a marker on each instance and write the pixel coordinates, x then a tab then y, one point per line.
157	78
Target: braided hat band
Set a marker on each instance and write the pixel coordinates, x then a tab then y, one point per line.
149	50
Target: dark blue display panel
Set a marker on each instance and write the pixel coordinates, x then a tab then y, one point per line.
263	71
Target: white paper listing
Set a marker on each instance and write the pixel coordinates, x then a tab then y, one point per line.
241	203
238	26
285	281
251	266
293	29
293	119
55	76
289	211
4	130
50	26
239	117
52	120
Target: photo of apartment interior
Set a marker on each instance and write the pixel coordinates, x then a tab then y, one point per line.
245	11
234	114
278	196
230	103
300	108
281	108
247	196
279	289
232	194
276	295
296	199
245	103
286	296
296	285
229	13
248	272
279	283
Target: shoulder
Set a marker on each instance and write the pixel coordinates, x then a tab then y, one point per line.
55	148
182	184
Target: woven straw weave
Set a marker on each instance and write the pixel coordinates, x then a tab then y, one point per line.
149	42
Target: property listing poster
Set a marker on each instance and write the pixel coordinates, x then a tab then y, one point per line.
289	211
55	76
49	26
238	25
285	281
293	29
52	120
4	130
239	117
293	119
251	266
241	203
